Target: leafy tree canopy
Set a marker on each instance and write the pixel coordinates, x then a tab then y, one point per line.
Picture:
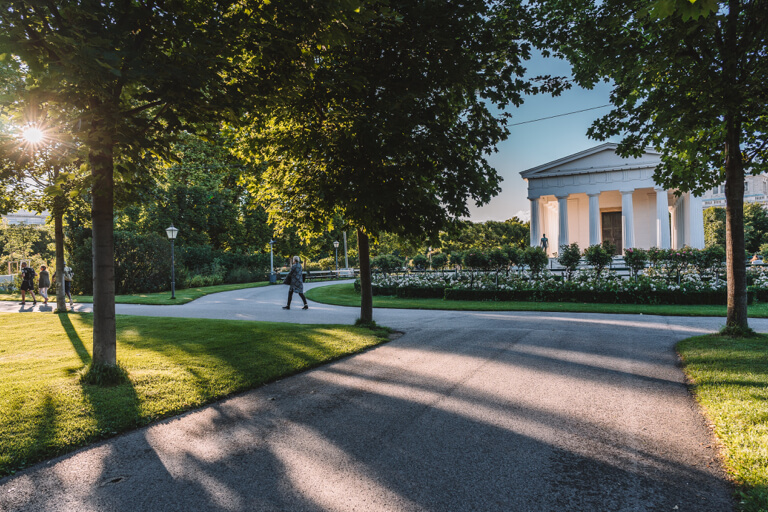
394	129
678	82
689	81
128	71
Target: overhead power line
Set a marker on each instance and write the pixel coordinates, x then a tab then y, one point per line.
559	115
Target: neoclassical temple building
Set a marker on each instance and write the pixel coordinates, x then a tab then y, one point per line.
596	195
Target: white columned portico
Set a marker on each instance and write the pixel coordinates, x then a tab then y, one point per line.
581	197
535	221
627	220
594	218
562	211
662	219
696	221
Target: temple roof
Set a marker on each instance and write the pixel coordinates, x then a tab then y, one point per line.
602	158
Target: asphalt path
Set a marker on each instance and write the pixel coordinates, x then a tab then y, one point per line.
486	411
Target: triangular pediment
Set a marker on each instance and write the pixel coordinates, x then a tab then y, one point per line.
601	158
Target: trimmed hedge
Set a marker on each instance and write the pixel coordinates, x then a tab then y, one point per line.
435	292
760	294
608	297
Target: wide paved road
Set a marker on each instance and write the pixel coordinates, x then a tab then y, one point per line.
466	411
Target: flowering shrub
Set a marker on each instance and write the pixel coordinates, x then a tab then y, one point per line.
597	256
651	287
536	259
635	259
684	276
569	257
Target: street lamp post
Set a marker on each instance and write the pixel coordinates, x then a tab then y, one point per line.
346	259
172	232
272	277
336	247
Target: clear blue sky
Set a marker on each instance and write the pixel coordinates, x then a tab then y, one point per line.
540	142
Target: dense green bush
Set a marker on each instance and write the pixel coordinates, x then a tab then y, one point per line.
476	259
199	280
386	263
514	255
196	258
327	263
598	257
439	261
569	257
419	262
497	259
80	259
456	258
536	259
635	259
142	263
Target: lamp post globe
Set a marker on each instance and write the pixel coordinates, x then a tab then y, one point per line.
172	232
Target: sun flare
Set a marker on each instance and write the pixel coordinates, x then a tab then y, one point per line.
33	135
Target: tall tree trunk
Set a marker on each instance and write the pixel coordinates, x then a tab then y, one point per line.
366	291
58	236
102	217
734	228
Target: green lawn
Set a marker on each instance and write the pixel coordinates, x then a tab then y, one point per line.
730	380
154	299
173	365
345	295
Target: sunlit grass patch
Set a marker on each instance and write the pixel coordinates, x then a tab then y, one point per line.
730	380
173	365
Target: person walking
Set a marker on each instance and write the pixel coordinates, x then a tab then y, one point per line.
68	276
44	283
296	282
27	283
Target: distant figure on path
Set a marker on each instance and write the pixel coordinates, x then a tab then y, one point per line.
44	283
69	274
296	283
544	242
27	283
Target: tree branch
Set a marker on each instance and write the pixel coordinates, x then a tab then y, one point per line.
142	108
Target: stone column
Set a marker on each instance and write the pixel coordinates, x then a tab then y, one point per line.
680	222
662	219
562	210
696	221
595	236
535	221
627	220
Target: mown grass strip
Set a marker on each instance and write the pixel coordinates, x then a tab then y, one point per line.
173	364
730	381
345	295
154	299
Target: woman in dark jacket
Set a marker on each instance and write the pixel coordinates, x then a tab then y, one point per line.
44	283
296	283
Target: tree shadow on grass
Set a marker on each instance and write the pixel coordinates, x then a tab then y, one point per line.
236	356
38	444
114	408
74	338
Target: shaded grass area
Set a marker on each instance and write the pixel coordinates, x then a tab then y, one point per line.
345	295
173	364
153	299
730	381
